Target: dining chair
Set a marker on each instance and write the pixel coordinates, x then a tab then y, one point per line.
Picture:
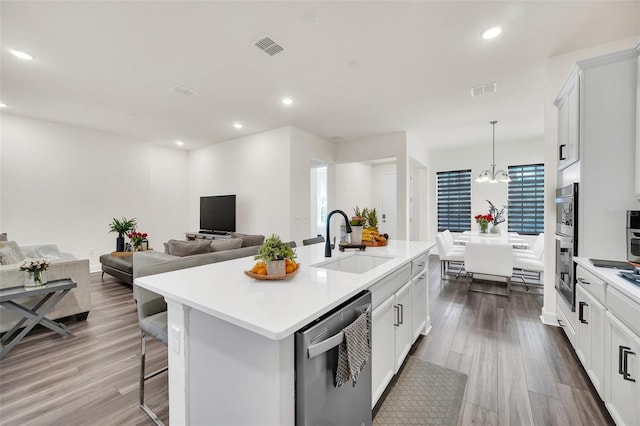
152	319
530	263
449	253
489	259
315	240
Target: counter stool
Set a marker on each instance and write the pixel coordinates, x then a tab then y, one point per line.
152	318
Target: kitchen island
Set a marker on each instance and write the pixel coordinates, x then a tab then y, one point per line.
231	338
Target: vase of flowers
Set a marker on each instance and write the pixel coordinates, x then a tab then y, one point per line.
498	217
121	227
357	222
483	220
136	240
35	272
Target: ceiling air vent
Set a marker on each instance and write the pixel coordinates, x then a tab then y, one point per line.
484	89
268	46
184	91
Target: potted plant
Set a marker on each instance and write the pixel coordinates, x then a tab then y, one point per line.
357	222
121	227
274	253
498	217
137	240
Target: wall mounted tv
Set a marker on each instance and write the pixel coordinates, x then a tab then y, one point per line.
218	214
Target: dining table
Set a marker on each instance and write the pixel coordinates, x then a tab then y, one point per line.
488	238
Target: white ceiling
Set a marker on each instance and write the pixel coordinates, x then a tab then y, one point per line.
112	66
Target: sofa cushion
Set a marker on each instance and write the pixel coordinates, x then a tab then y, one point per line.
10	253
3	236
188	248
249	240
228	244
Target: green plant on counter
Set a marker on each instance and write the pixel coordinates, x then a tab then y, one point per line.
372	218
360	216
274	249
122	226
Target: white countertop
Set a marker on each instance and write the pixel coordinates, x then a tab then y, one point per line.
276	309
610	275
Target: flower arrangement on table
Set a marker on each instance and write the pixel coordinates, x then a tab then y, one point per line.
498	215
360	216
483	220
35	268
136	239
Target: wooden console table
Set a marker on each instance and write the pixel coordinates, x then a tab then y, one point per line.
35	315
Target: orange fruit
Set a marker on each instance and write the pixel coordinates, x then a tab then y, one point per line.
262	271
289	269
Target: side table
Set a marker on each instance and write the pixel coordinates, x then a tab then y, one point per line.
35	315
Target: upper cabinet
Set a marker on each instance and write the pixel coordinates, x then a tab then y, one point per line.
568	105
596	146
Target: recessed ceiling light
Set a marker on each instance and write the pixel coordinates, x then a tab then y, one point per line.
492	32
3	105
287	101
20	54
237	125
179	143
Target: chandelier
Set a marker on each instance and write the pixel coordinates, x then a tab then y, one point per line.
492	175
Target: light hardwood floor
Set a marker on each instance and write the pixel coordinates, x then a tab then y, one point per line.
521	372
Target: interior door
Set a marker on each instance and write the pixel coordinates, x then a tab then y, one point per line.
389	203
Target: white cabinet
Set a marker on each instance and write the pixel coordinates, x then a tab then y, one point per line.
419	309
568	108
402	324
382	348
590	337
622	360
566	319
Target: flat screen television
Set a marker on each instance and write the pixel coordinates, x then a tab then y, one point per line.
218	214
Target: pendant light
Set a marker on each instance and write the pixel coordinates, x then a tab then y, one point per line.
492	175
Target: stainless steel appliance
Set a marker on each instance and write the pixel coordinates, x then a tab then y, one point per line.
633	236
318	400
566	241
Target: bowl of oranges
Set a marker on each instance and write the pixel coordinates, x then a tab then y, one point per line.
275	261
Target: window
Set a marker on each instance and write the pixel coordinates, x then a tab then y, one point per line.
526	199
454	200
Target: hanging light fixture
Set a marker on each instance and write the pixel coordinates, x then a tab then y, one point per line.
492	175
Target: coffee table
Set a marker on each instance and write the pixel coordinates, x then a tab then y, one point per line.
36	315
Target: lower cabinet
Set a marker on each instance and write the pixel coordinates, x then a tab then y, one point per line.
382	348
590	337
622	360
402	324
419	310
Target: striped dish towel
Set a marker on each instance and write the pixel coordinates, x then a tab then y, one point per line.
355	349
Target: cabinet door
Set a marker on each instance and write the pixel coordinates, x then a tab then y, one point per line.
420	304
382	348
402	308
569	124
590	337
622	375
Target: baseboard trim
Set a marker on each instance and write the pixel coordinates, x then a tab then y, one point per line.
549	318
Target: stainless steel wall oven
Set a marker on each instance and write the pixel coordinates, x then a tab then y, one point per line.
633	236
566	241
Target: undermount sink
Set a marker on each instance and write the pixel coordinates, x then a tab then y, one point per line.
356	263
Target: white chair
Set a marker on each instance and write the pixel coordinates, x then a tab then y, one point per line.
488	259
449	253
530	263
152	318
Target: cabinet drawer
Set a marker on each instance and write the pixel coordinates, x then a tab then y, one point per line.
385	287
418	264
592	284
624	308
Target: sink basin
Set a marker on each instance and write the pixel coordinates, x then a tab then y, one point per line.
356	263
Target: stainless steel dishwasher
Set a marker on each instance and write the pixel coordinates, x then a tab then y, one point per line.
318	400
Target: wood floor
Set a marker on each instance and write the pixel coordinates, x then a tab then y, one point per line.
521	372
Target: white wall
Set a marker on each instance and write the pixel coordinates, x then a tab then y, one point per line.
557	72
478	158
257	169
305	150
64	184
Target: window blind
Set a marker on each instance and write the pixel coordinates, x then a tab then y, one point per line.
454	200
526	199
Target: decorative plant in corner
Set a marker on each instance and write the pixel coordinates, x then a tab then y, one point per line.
121	227
275	253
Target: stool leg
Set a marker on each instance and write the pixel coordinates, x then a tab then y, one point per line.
143	350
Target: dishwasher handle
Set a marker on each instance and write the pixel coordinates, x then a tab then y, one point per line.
333	341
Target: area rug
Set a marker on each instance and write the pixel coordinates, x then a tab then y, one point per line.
423	394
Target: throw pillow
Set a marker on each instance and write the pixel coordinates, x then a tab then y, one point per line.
3	236
10	253
188	248
228	244
249	240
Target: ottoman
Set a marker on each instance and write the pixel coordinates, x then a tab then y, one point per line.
118	266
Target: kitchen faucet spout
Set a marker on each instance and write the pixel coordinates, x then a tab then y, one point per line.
327	246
